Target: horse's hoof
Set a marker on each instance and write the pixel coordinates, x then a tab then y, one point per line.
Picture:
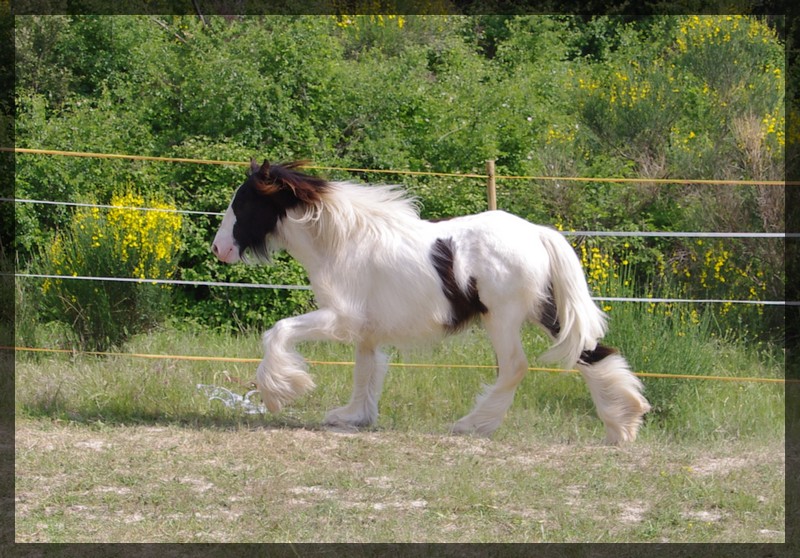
462	428
468	428
341	419
340	427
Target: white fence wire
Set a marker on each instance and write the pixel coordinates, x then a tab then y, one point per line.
653	300
619	234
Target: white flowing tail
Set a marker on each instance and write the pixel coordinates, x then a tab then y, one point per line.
580	321
615	390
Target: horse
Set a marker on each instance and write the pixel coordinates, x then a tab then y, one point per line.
382	276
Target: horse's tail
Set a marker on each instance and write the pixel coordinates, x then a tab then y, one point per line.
577	325
579	322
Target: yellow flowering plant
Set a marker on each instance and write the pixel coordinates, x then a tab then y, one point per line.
700	269
123	241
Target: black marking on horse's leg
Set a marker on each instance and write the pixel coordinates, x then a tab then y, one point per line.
465	304
599	353
549	314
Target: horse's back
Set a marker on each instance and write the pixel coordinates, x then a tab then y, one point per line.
496	237
505	255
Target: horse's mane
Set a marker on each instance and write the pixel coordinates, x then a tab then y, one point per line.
339	212
270	178
349	212
343	211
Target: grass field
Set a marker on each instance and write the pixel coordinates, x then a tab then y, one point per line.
121	449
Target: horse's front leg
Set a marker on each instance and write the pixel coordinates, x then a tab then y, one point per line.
368	375
282	375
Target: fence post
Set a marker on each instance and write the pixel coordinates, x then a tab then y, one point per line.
491	190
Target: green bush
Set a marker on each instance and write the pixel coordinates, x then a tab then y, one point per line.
121	242
673	96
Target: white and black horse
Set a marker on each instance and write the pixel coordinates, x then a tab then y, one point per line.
381	275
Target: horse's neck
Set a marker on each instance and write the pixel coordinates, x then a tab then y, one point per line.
339	229
299	237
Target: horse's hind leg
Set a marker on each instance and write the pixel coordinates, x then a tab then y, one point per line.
616	392
492	405
368	375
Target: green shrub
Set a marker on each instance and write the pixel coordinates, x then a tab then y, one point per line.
121	242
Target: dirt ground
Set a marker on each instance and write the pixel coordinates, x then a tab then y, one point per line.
170	483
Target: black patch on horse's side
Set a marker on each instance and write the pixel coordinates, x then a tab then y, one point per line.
549	315
263	199
599	353
466	304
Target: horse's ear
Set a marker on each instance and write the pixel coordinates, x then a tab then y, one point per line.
259	170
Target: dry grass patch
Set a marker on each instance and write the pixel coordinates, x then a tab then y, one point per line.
118	449
171	483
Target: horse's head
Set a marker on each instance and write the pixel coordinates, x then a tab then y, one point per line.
258	207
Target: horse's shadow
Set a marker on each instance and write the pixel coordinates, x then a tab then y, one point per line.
191	419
